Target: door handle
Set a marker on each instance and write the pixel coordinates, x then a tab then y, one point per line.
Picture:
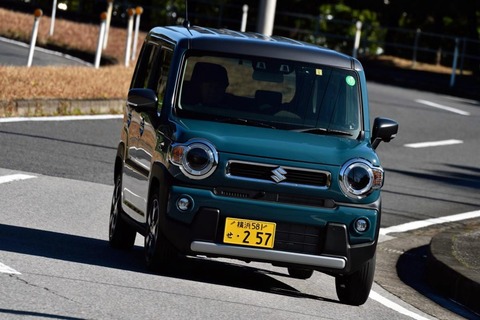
142	126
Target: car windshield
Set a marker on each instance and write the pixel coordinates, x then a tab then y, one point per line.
270	93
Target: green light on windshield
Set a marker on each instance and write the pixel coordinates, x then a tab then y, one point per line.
350	81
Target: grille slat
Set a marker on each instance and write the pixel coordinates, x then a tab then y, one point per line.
298	238
244	170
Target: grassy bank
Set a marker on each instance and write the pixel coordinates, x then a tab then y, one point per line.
38	82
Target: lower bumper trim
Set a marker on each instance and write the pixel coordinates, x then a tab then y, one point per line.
268	255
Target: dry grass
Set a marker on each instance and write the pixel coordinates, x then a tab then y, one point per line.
408	64
64	82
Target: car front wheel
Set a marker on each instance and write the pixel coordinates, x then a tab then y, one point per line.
354	289
159	253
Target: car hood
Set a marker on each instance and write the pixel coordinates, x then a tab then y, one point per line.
275	143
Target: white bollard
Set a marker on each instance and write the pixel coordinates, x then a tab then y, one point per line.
52	21
101	37
266	17
109	19
38	13
130	13
138	13
243	27
358	35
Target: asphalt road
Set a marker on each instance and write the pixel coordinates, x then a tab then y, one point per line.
14	53
428	181
53	224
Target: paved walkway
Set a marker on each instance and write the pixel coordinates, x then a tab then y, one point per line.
15	53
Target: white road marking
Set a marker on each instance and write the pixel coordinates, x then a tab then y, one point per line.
394	306
439	106
429	222
7	269
62	118
433	143
15	177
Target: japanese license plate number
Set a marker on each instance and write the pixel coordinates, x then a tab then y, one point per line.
249	232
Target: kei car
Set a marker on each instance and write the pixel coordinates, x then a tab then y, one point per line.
243	146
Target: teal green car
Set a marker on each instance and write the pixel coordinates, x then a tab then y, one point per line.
249	147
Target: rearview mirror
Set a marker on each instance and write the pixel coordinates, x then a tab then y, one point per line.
142	100
383	130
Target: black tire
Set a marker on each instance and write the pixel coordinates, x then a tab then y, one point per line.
354	289
120	235
300	273
159	253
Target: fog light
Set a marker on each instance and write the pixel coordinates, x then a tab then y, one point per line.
361	225
184	203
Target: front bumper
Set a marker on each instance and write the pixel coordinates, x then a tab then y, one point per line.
311	237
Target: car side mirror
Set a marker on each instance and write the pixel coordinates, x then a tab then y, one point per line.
383	130
142	100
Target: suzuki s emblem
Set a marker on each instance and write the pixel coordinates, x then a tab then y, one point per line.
278	174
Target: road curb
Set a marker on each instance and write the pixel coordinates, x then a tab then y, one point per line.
51	107
448	273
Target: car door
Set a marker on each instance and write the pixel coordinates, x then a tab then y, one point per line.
149	139
136	169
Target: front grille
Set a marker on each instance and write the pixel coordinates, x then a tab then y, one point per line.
298	238
274	197
263	172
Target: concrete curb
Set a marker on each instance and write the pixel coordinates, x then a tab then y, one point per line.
51	107
452	267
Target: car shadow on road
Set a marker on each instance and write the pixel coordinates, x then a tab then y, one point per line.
79	249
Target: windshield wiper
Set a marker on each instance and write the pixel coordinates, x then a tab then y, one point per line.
324	131
245	122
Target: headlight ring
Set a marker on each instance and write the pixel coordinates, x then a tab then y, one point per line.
358	178
197	158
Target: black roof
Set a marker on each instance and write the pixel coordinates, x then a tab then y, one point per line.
230	41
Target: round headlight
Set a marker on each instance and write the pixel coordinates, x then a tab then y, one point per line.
197	159
358	178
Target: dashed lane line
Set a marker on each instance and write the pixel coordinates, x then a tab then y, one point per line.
442	107
433	143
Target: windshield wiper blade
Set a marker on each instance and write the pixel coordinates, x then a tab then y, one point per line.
324	131
246	122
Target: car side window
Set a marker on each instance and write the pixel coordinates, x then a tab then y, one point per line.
143	71
165	59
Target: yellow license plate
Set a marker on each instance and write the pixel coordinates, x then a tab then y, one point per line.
249	232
